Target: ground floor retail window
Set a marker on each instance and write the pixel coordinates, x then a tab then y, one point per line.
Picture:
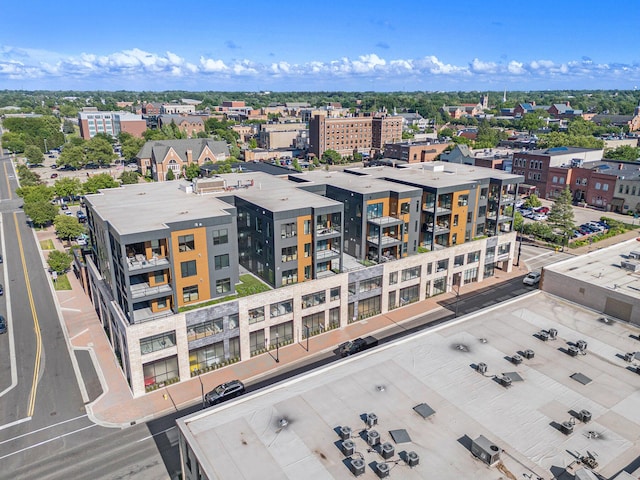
369	307
488	270
281	334
206	357
312	324
471	275
334	317
256	342
439	285
160	372
409	295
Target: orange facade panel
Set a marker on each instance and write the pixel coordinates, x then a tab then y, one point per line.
189	247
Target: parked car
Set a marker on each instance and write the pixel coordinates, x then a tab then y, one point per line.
539	217
532	278
54	175
1	289
64	206
54	166
224	392
81	241
596	226
358	345
3	324
1	260
92	166
543	210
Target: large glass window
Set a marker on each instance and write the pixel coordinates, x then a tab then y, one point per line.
288	230
442	265
335	294
207	356
458	260
312	324
313	299
334	317
439	285
289	254
411	273
157	342
473	257
221	261
256	315
409	295
221	236
204	329
471	275
503	248
234	347
374	210
160	371
393	278
188	269
281	308
370	284
290	276
186	243
223	285
256	342
190	293
369	307
281	334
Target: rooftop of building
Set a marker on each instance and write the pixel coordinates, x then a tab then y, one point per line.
145	207
438	174
291	430
553	151
604	268
359	184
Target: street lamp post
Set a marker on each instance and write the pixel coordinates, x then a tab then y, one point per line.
277	349
45	146
202	390
306	328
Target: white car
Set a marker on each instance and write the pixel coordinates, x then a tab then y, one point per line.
539	217
532	278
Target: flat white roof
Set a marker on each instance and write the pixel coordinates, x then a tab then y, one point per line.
245	439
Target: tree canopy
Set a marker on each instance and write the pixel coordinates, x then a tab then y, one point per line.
561	213
99	181
40	212
68	227
623	152
59	261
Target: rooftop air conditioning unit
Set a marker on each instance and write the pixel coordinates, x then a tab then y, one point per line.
635	255
566	428
345	432
582	345
544	336
382	470
585	416
387	450
573	350
485	450
516	359
356	465
528	354
412	459
505	381
630	266
372	419
553	333
482	368
373	438
348	448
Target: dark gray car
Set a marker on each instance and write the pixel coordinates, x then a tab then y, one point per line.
224	392
3	325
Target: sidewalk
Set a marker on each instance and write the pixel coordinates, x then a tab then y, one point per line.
116	406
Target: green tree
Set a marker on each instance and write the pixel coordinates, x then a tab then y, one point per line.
41	213
533	201
99	150
580	126
561	214
130	145
487	136
33	154
72	156
192	171
67	227
27	176
331	157
532	121
68	127
59	261
296	165
559	139
253	143
623	152
67	187
170	175
14	142
35	193
129	178
98	182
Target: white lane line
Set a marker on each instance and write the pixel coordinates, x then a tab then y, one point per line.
17	422
538	256
44	442
79	333
12	343
40	429
159	433
70	309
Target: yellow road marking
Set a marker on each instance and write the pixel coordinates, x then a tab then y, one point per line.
36	325
6	177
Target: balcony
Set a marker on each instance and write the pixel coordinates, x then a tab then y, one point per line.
140	262
325	231
385	221
146	315
439	228
328	253
145	290
384	240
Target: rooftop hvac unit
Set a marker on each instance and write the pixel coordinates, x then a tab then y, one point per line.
482	368
373	438
635	255
413	459
372	419
387	450
345	432
356	465
528	354
505	381
585	416
582	345
553	333
544	336
382	470
485	450
516	359
573	350
628	357
566	428
348	448
638	370
630	266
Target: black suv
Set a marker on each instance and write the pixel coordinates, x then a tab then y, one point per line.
224	392
358	345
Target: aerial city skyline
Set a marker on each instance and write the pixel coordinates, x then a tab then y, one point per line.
394	46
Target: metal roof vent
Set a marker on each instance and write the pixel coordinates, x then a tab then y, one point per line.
482	368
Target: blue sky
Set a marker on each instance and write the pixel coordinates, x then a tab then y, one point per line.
282	45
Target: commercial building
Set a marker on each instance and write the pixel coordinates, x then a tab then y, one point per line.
537	387
280	135
414	152
166	258
190	125
347	135
177	109
92	121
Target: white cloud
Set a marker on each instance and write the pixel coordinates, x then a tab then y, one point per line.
146	67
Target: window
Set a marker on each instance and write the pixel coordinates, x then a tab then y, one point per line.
157	342
288	230
256	342
160	371
369	307
442	265
307	250
411	273
455	220
221	236
210	355
187	269
374	210
314	299
473	257
256	315
223	285
471	275
463	200
491	252
204	329
404	207
221	261
186	243
158	277
290	276
281	308
504	248
555	179
289	254
334	317
190	294
371	284
393	278
312	324
307	272
458	260
334	294
307	227
279	334
605	187
409	295
599	186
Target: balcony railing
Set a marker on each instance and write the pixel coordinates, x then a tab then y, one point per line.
139	262
327	230
144	290
329	253
383	240
387	220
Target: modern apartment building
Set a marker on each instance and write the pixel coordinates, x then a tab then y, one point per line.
347	135
166	258
92	121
